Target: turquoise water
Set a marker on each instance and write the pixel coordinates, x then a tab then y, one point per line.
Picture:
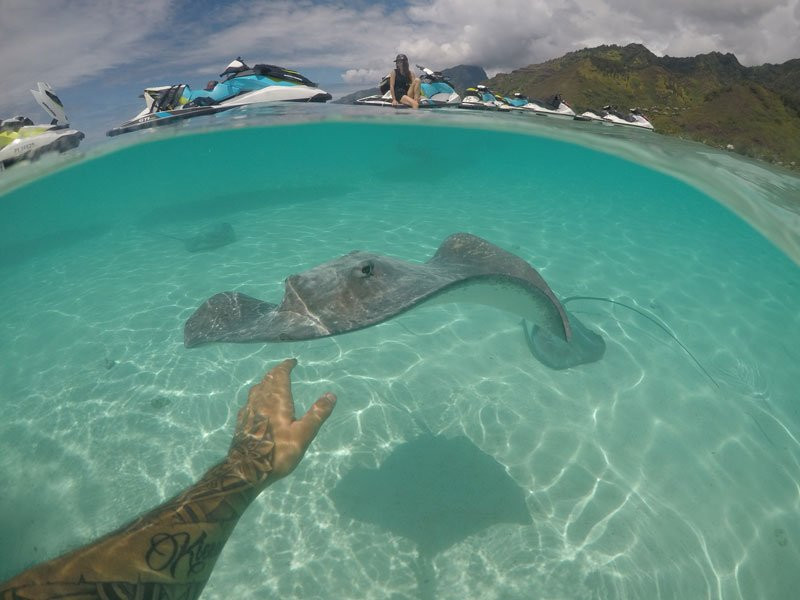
644	475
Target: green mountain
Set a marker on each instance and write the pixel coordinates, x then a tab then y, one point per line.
464	76
710	98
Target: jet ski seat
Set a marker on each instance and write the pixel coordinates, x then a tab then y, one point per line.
168	99
276	72
554	102
14	123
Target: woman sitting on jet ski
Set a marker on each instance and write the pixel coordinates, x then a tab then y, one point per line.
403	84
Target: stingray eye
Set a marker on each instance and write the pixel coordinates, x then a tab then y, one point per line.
367	269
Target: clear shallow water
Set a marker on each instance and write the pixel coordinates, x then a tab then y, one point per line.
642	478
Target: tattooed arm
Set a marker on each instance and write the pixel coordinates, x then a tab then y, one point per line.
169	552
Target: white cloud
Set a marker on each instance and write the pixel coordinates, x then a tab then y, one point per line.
67	42
302	34
370	76
690	41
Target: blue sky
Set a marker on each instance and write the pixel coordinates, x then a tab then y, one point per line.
100	54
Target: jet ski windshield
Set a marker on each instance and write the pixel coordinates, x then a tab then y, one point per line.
236	66
429	76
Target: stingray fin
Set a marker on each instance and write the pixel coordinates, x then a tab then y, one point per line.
225	317
467	249
476	256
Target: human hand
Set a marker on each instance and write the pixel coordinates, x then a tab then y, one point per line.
394	102
269	442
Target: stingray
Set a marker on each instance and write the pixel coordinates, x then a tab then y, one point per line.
362	289
434	492
210	238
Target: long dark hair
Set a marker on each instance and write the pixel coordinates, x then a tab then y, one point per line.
403	69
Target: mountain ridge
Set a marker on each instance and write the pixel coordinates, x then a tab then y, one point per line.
710	98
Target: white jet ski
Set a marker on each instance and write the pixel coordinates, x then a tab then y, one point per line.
592	115
21	139
554	106
608	114
482	98
241	86
634	118
435	91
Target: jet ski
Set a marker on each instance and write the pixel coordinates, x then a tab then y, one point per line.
554	105
609	114
634	118
241	85
21	139
435	91
482	98
518	101
593	115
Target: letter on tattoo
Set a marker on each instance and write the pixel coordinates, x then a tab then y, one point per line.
170	551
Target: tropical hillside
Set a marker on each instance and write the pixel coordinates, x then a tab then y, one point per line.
710	98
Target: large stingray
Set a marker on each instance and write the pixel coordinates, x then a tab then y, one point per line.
435	492
362	289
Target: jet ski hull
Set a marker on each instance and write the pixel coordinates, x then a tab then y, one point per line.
53	139
279	94
383	102
485	106
562	111
638	123
478	105
166	117
589	115
634	120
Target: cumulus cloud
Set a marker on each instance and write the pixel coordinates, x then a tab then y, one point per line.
65	43
69	42
371	76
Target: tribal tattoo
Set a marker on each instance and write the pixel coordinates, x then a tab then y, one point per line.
180	541
168	553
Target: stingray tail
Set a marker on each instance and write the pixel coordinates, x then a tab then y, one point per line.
425	574
653	319
528	340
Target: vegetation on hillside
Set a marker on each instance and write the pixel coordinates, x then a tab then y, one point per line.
710	98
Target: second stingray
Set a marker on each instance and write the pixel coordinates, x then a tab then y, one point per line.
362	289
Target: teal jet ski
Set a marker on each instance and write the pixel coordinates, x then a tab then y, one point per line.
435	89
241	86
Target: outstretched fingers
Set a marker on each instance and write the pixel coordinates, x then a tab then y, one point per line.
273	395
269	417
307	427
